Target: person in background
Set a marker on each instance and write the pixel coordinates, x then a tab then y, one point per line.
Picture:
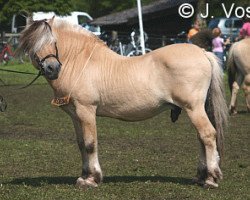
194	30
245	30
218	45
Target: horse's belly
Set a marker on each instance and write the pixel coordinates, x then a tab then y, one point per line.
131	112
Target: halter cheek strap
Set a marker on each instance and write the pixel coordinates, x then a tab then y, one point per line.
41	62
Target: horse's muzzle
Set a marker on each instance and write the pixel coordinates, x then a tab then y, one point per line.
51	70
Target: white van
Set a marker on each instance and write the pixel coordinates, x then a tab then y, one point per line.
230	27
80	18
74	17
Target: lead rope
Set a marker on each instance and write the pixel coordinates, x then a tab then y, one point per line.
65	100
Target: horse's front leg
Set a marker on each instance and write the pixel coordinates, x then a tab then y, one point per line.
86	133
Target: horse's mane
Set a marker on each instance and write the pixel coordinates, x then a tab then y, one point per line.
35	35
63	25
39	33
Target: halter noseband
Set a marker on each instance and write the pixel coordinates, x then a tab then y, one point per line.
41	62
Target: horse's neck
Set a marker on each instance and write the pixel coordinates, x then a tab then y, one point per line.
73	44
78	51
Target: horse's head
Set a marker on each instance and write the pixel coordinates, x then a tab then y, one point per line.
48	62
39	42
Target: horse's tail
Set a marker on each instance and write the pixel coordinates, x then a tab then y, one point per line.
231	67
216	106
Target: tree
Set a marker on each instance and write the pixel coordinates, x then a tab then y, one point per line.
97	8
10	7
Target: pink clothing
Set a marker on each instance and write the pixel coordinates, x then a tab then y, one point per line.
245	30
218	44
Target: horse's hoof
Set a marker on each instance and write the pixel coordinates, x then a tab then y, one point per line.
232	111
210	184
216	173
198	181
86	183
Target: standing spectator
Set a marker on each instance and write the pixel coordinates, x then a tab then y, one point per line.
245	30
218	45
194	30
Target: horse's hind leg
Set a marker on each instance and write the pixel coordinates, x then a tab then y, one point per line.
235	89
208	170
246	88
201	175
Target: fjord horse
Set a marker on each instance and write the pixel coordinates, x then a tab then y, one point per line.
238	66
90	80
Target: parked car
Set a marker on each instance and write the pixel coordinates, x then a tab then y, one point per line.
230	27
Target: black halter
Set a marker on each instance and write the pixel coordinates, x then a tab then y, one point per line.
41	62
41	66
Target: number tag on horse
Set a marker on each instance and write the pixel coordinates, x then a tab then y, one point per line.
60	101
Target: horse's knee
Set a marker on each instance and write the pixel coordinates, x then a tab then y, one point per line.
90	147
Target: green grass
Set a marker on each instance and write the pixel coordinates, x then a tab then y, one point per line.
9	78
153	159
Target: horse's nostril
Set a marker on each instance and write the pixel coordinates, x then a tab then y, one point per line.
50	68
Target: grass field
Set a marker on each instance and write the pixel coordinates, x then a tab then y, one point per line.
153	159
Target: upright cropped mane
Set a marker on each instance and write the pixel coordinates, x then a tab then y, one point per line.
75	30
39	33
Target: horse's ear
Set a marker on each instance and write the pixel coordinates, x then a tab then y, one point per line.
51	21
29	20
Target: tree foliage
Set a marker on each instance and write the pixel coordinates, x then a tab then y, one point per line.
10	7
95	8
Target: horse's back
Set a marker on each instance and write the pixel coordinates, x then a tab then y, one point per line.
187	56
184	63
241	52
